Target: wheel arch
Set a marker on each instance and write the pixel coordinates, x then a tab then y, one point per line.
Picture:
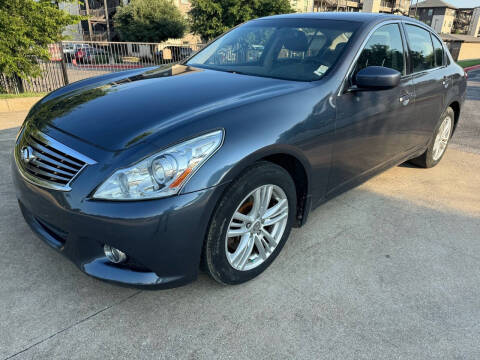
294	162
299	175
455	105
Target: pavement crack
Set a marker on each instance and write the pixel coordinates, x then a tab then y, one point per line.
75	324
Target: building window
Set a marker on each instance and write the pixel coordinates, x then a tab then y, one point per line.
386	3
430	12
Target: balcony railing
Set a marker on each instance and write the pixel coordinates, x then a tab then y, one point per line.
96	36
94	13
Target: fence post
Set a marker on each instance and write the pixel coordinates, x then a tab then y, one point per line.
63	65
107	20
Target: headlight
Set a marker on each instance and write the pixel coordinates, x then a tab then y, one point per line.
162	174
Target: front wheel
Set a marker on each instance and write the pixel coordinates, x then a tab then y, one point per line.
251	224
438	144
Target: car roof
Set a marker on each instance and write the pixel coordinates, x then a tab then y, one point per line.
346	16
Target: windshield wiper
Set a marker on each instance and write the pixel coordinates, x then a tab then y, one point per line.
203	66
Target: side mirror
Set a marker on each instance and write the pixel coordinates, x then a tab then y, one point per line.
377	77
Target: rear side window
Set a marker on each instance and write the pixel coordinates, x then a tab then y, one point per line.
384	48
421	48
438	50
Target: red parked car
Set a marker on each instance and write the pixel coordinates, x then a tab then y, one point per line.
87	55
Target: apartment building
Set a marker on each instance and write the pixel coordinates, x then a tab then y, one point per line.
378	6
302	5
462	21
445	18
386	6
99	26
474	27
439	14
72	32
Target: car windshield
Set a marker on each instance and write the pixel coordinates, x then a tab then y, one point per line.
290	49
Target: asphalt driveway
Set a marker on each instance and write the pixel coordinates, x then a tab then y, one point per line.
388	270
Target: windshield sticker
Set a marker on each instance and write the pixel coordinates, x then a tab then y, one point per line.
321	70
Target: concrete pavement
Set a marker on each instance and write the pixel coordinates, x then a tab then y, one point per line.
388	270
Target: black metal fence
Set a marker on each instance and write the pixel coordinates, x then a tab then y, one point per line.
76	60
51	78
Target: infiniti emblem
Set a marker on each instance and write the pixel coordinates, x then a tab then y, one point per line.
27	154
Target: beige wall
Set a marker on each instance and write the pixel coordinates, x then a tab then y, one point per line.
469	51
442	24
374	6
403	4
371	6
302	5
448	24
183	5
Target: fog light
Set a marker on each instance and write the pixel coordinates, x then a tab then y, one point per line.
114	255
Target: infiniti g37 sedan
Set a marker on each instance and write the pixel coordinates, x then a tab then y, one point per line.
146	176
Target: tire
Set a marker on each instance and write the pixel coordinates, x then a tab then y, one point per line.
220	257
431	157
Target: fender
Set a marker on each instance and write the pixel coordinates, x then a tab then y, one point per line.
304	203
231	170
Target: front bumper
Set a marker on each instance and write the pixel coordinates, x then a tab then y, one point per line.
162	238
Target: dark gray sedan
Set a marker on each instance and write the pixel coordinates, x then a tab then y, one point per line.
143	177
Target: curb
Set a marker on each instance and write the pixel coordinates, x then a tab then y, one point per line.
18	104
106	66
470	68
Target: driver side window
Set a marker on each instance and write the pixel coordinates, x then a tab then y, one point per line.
384	48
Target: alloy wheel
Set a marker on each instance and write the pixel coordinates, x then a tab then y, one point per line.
256	227
441	140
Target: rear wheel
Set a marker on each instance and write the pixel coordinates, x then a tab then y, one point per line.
250	225
439	142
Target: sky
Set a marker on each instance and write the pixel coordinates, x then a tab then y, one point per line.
459	3
464	3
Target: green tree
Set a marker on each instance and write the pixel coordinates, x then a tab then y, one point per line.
211	18
27	27
149	21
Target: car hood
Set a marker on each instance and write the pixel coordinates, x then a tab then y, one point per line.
116	112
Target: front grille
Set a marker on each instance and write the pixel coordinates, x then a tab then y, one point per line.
46	162
51	164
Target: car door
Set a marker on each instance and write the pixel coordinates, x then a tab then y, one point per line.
430	83
368	120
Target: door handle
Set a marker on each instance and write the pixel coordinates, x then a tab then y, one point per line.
405	99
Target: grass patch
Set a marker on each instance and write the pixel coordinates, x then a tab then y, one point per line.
468	63
22	95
